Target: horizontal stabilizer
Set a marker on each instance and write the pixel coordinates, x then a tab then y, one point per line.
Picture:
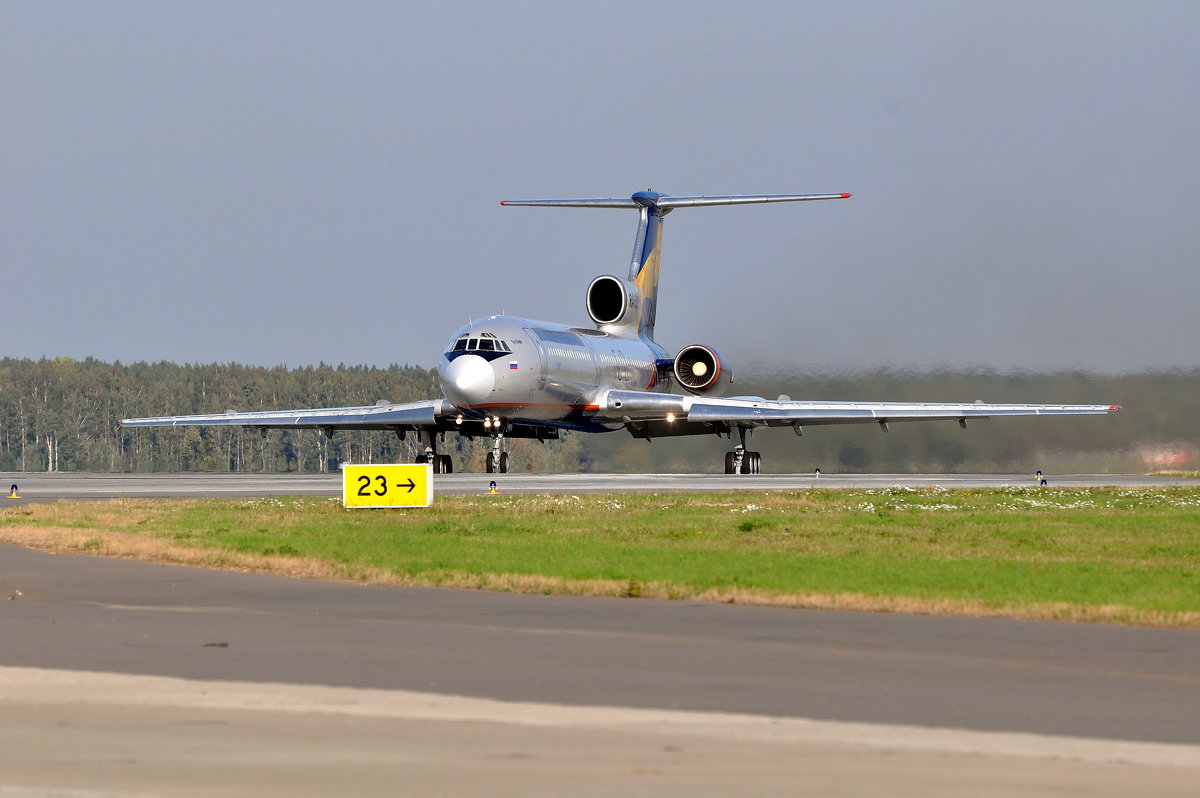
742	199
597	202
664	202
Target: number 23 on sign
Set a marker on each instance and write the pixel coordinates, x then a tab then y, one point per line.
387	486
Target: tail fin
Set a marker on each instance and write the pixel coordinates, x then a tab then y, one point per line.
647	254
647	246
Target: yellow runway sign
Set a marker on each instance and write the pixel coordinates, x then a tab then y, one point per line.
387	486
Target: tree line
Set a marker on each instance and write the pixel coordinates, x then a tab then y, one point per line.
61	415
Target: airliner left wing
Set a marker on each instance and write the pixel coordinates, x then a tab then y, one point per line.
782	413
669	414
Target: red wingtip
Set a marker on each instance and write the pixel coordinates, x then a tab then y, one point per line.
1115	408
845	196
503	202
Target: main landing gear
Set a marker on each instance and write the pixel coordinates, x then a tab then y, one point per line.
741	461
442	464
750	462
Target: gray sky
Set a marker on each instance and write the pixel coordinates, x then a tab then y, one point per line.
288	182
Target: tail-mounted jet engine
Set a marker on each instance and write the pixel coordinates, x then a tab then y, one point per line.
611	300
699	369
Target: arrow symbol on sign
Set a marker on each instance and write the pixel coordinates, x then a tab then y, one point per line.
410	485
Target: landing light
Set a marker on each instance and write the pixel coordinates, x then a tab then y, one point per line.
670	418
458	419
487	422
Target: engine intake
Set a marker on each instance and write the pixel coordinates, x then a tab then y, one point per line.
608	299
699	369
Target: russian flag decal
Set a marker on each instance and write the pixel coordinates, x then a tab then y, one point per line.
512	364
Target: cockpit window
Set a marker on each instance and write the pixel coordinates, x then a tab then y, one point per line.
486	342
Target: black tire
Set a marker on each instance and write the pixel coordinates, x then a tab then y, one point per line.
421	459
730	459
447	464
756	463
503	462
491	462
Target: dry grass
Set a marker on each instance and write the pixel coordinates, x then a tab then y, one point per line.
135	529
67	540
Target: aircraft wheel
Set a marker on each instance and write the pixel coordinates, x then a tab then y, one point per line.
730	459
503	462
447	464
751	463
491	462
421	459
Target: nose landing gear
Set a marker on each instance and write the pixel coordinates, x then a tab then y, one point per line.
497	463
497	458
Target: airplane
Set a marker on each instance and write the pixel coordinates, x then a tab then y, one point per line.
510	377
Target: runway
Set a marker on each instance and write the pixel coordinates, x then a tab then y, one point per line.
41	487
122	677
128	677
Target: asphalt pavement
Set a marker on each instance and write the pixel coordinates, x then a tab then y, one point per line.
120	677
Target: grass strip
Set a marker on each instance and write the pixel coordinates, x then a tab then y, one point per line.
1101	554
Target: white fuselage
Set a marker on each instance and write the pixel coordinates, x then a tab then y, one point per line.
521	369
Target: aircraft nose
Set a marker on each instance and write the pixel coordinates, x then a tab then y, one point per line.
468	380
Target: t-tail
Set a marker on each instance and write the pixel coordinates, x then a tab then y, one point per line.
627	307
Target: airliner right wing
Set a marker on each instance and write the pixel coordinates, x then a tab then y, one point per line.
410	415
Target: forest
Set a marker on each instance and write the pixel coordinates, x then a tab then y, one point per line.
61	415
